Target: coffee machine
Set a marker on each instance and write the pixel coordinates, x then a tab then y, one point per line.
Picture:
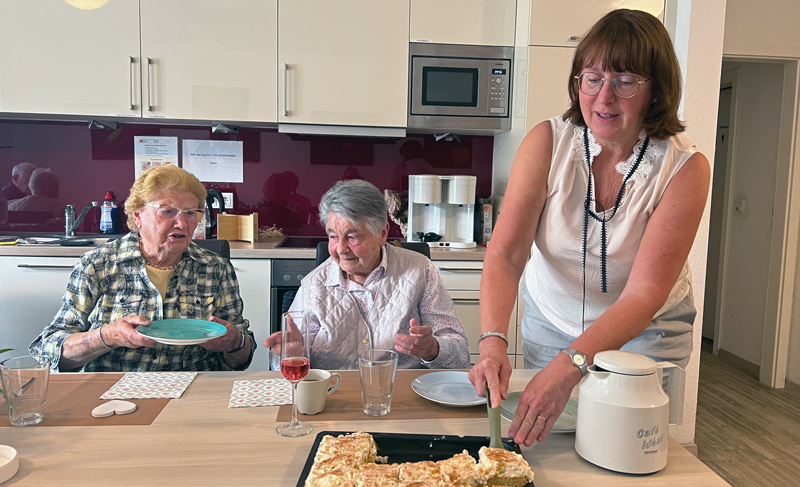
441	210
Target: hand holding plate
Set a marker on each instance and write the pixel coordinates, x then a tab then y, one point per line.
122	333
228	341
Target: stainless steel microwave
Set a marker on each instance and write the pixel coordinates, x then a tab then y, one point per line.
459	88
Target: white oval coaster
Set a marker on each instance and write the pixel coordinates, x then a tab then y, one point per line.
113	407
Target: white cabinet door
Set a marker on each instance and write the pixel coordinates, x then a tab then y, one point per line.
343	63
254	284
564	22
210	60
32	288
55	58
463	280
473	22
548	75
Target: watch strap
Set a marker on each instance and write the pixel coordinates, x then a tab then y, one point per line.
497	334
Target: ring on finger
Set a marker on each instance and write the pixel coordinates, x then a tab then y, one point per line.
542	418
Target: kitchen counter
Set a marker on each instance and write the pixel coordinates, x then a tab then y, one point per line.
263	249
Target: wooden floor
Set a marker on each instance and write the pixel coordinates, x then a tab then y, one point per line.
748	433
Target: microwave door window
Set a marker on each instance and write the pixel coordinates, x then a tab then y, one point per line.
450	87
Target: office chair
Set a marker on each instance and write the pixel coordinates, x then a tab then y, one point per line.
221	247
421	247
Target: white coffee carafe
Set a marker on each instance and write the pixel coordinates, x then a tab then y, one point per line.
624	412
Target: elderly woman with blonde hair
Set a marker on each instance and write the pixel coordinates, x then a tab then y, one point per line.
155	272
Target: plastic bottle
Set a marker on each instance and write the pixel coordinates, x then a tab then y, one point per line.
108	214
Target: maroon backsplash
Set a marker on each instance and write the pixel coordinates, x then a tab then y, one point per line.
284	175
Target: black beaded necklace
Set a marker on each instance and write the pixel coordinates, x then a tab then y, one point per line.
589	212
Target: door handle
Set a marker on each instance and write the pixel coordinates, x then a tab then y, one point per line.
38	267
286	68
132	70
461	270
466	300
149	86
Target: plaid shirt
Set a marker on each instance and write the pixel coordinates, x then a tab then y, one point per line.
110	282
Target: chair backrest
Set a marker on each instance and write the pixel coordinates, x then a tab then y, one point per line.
221	247
421	247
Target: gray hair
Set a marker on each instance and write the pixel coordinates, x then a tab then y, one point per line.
355	200
44	182
23	169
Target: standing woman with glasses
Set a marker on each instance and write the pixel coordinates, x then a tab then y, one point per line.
606	200
155	272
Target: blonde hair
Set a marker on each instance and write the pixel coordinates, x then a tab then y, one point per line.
158	179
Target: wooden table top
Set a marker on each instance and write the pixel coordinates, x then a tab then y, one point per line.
198	440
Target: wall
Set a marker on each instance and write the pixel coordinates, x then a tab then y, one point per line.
768	29
280	170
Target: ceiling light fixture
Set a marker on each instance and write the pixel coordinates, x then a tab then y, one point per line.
87	4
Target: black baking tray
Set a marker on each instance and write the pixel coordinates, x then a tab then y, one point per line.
401	448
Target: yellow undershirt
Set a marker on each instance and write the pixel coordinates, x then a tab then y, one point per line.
159	278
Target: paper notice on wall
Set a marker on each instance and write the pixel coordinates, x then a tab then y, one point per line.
154	151
218	161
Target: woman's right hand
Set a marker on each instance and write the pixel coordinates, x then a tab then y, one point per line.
122	332
492	371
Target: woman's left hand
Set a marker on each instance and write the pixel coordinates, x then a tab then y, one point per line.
543	400
420	342
230	340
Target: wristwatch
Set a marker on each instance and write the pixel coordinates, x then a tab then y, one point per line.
578	360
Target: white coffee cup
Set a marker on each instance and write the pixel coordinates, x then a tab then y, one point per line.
313	391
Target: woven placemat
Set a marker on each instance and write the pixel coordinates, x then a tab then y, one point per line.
72	396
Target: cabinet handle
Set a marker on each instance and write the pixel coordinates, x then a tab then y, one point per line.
285	89
46	267
132	69
575	38
466	300
149	87
461	271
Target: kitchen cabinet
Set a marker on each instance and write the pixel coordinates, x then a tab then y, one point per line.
549	69
210	60
254	284
198	60
474	22
32	290
462	280
343	63
564	22
57	59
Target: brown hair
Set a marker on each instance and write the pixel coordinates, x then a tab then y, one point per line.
636	42
162	178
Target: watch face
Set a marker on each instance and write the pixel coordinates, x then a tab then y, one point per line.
579	360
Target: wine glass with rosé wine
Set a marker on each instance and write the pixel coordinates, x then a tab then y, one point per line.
295	364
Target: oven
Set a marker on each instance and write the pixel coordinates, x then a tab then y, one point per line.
286	277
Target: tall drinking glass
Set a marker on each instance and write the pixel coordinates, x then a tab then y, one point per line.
295	363
25	381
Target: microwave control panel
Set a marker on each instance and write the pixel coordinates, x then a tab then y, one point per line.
498	87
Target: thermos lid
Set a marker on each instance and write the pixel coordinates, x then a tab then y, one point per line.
627	363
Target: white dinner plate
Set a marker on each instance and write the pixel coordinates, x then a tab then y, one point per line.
450	387
565	423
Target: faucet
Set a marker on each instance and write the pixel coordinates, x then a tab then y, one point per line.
70	222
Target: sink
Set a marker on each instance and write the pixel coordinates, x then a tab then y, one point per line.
48	238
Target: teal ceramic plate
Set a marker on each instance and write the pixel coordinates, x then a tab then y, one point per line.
182	331
566	423
451	388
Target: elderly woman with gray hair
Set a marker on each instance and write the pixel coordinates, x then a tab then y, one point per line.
372	295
